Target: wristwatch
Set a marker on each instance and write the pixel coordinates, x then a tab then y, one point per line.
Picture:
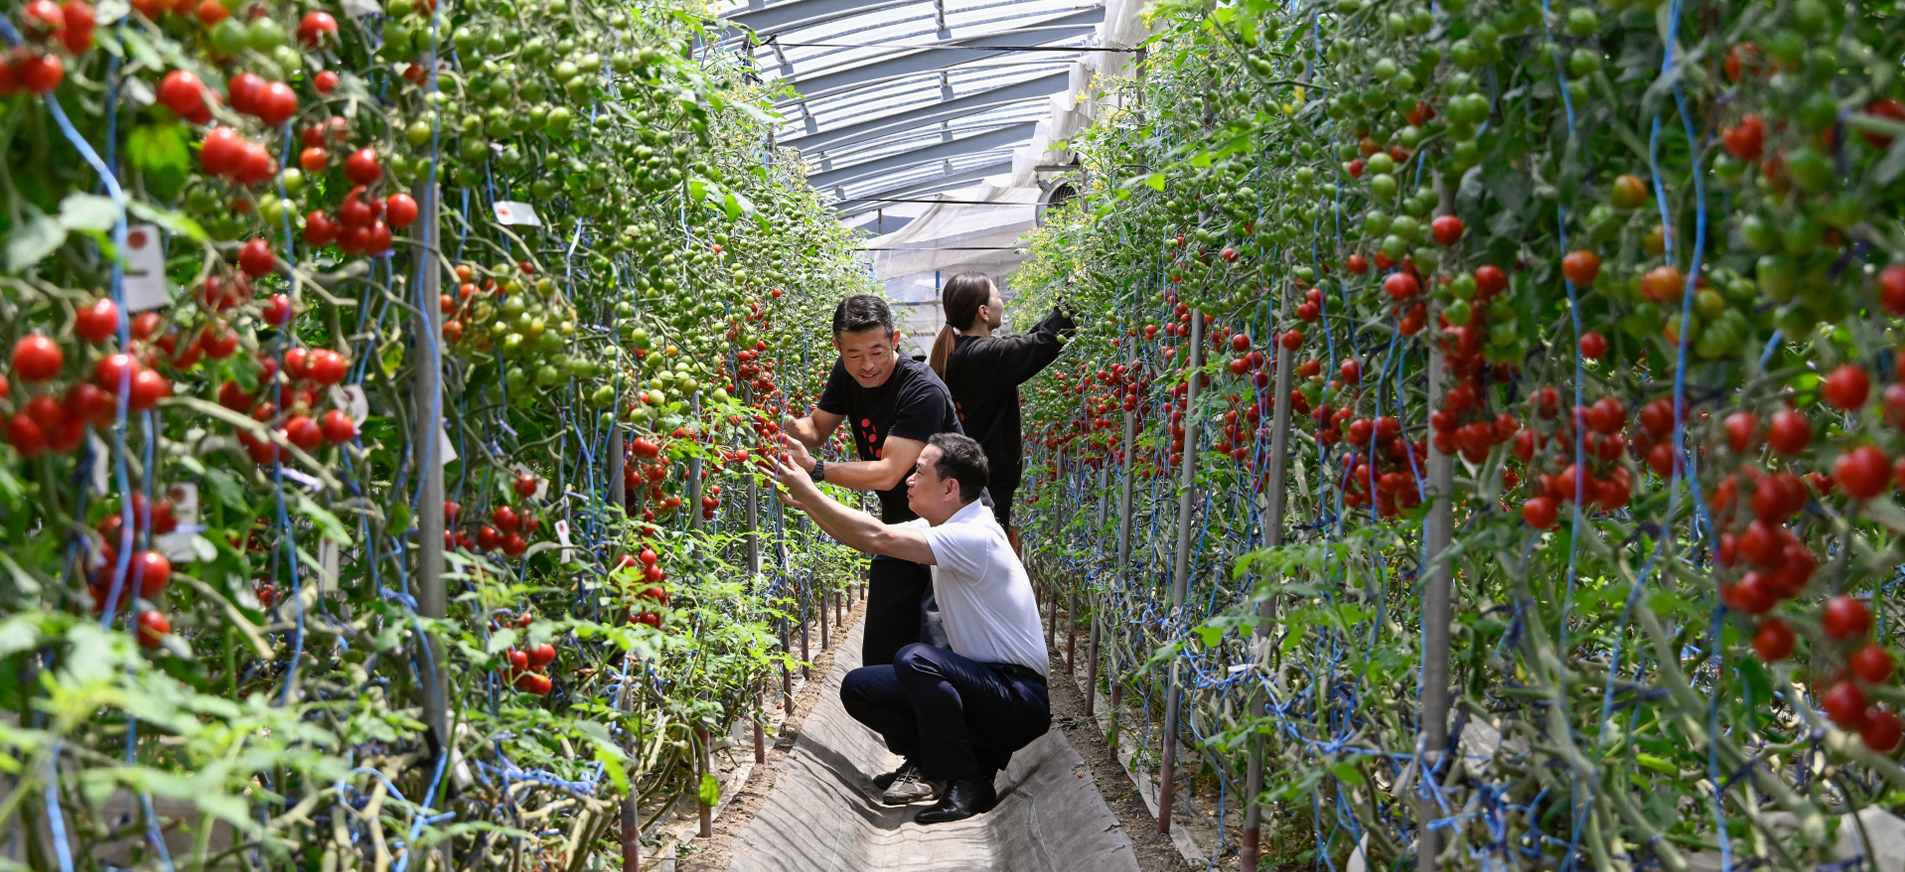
819	473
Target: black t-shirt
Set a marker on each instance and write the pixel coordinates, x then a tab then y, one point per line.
912	404
984	374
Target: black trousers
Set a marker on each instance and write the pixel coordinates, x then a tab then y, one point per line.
953	717
1002	497
896	593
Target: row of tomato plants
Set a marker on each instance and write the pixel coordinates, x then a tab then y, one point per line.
224	275
1634	269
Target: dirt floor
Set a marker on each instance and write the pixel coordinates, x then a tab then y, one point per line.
1155	852
711	855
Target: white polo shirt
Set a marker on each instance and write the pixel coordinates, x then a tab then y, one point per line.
985	598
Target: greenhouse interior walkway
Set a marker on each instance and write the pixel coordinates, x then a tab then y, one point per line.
825	813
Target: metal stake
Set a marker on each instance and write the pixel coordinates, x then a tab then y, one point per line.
1181	572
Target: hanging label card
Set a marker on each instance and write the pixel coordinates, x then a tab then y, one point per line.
512	212
354	402
445	449
562	535
361	8
182	544
101	460
146	287
327	567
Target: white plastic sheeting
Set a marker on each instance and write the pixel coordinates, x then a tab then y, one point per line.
953	237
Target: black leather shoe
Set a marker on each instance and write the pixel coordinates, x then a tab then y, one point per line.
962	800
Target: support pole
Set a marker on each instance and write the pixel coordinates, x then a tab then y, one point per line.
1277	492
432	600
706	763
1436	583
753	537
1091	655
1125	485
618	464
1181	571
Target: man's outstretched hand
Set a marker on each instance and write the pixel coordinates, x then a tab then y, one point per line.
795	486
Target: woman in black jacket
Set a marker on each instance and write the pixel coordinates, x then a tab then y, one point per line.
984	371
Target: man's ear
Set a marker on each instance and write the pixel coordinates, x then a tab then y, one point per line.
836	346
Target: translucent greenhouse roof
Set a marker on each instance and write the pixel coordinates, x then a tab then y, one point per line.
900	99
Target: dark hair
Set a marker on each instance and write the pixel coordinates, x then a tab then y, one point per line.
860	313
962	460
962	297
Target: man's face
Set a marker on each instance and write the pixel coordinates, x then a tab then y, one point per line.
868	355
924	487
996	306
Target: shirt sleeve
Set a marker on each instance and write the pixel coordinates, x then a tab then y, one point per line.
955	551
922	412
1020	357
833	398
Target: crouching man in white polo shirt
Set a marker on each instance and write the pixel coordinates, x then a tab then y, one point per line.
957	713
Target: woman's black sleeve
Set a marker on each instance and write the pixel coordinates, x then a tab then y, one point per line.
1024	355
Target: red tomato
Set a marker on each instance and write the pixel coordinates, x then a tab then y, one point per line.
540	656
362	167
326	367
276	104
1745	140
1539	512
338	427
151	572
1447	229
319	229
148	388
39	73
81	21
317	28
400	209
277	310
1790	432
153	628
1844	618
1871	663
25	436
325	82
37	358
1581	267
1739	430
1864	472
1773	641
1401	286
1882	730
1593	345
243	91
1844	703
257	259
1846	387
303	432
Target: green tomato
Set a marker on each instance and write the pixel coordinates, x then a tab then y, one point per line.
1778	276
265	33
1583	21
1462	287
1809	169
293	180
1759	233
1383	187
1584	62
1709	303
228	36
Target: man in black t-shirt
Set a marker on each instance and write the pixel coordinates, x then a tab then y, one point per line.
893	404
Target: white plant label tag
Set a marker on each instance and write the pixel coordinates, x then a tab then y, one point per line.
512	212
146	287
327	566
361	8
101	461
445	449
562	535
184	496
355	403
183	544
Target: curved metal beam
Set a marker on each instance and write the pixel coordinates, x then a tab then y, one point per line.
931	113
947	54
766	19
848	208
1001	137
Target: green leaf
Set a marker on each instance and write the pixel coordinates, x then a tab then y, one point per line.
731	205
35	239
710	791
327	523
225	489
1155	180
19	633
174	222
83	211
612	764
